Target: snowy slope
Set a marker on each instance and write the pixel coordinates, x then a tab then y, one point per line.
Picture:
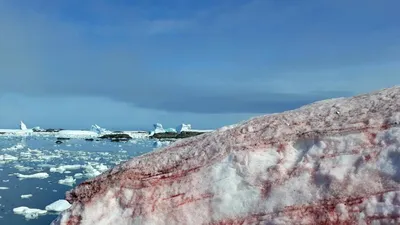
331	162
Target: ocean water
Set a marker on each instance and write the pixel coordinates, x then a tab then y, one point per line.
30	155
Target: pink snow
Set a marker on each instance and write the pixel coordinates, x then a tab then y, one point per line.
331	162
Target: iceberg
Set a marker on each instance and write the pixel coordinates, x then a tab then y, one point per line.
99	130
183	127
330	162
22	126
158	128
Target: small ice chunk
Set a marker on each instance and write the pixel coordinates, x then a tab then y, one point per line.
91	172
28	212
7	157
102	167
58	206
26	196
62	169
4	188
36	175
69	180
78	175
22	168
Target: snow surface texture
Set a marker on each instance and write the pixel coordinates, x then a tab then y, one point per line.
331	162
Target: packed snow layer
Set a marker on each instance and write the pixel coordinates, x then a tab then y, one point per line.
331	162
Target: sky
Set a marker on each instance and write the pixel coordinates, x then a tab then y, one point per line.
128	64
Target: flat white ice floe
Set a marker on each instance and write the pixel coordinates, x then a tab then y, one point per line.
331	162
4	188
76	134
63	168
58	206
26	196
69	181
28	212
31	176
7	157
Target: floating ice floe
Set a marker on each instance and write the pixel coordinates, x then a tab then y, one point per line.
22	168
58	206
62	169
26	196
28	212
4	188
15	147
78	175
69	181
32	176
7	157
80	134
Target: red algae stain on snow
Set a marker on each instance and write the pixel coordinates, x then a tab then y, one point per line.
342	171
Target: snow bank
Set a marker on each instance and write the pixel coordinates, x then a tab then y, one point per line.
331	162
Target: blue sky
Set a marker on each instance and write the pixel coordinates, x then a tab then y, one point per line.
128	64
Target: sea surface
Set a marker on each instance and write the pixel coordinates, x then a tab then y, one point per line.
30	155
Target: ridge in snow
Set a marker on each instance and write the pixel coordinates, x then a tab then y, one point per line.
330	162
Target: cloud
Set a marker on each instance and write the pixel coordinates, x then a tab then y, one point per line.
258	57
